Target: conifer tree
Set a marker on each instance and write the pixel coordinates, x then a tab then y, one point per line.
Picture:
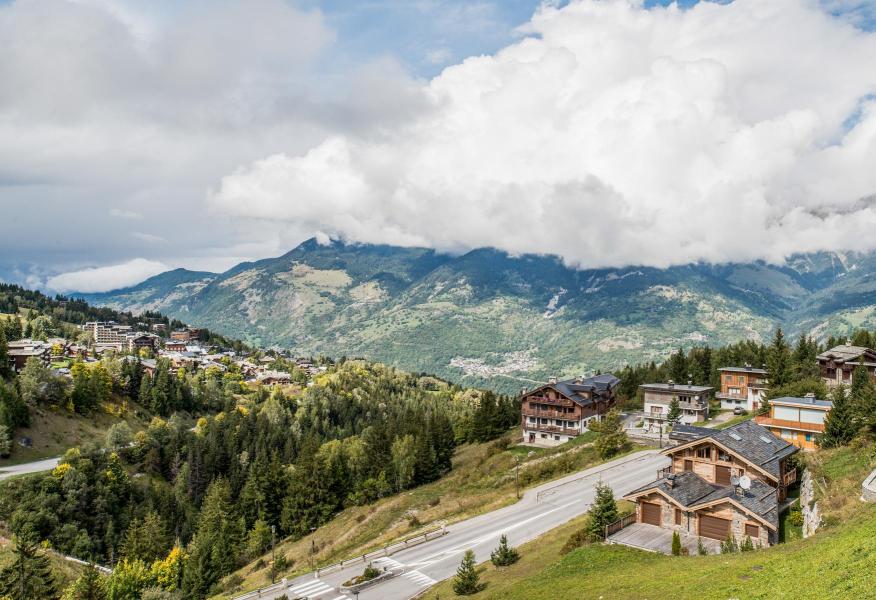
862	397
504	554
5	366
778	360
611	438
467	580
89	586
603	512
839	426
29	576
674	413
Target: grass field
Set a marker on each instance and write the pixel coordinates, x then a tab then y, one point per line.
482	480
838	562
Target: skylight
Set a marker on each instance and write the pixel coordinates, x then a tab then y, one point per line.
735	436
764	438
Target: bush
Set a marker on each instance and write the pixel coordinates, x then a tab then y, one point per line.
576	540
747	545
504	554
795	517
729	546
370	572
676	544
281	563
701	548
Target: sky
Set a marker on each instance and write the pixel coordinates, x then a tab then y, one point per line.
138	136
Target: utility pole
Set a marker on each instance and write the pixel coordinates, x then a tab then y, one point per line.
312	546
273	554
517	476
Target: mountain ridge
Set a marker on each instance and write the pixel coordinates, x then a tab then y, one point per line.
488	318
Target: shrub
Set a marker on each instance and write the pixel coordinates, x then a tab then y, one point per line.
747	545
676	544
729	546
504	554
701	548
576	540
413	521
281	563
795	517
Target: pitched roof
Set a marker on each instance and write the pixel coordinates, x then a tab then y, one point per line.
845	352
692	491
687	433
597	385
750	441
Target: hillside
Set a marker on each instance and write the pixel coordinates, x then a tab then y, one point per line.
838	562
486	318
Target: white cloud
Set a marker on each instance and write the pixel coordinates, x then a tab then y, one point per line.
103	279
612	135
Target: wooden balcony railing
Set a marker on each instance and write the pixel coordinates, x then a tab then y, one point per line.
552	428
661	473
613	528
536	412
546	400
789	477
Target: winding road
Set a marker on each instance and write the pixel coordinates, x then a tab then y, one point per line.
31	467
540	510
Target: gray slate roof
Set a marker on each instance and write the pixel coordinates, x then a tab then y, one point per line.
756	444
745	369
598	385
686	433
690	490
844	352
665	387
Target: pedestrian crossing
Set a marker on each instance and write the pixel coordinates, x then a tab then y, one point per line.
315	589
387	562
419	578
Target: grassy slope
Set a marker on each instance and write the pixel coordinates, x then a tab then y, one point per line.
53	431
839	562
65	571
482	480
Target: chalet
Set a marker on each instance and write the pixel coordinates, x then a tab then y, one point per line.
838	363
797	420
693	400
742	387
21	350
175	346
560	411
143	340
703	491
274	378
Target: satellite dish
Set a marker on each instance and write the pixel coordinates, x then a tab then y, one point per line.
734	480
745	482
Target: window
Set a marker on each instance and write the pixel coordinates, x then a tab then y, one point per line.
787	434
723	456
741	379
678	516
544	436
556	437
705	453
752	531
808	437
728	378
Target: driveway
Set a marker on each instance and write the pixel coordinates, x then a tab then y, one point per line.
32	467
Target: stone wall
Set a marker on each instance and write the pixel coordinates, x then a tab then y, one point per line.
868	488
811	513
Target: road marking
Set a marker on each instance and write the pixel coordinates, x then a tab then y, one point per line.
419	578
341	597
314	587
388	562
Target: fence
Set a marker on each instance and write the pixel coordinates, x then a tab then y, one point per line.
613	528
385	551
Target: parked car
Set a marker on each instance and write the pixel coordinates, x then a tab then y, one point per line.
738	410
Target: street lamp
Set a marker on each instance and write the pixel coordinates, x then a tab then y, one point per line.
517	476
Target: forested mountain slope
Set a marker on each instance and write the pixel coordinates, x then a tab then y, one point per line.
487	318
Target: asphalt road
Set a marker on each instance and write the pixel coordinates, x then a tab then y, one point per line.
540	510
31	467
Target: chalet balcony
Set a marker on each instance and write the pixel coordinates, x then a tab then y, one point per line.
661	473
552	428
553	414
546	400
789	477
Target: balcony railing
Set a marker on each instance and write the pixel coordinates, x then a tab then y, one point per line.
552	428
661	473
789	477
546	400
613	528
535	412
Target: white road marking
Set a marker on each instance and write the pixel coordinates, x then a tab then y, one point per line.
419	578
314	587
388	562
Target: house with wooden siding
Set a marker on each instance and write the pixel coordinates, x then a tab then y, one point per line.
797	420
699	493
742	387
559	411
838	363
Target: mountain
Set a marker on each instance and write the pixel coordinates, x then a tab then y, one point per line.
485	317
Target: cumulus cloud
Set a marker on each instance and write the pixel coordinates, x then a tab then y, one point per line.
612	134
104	279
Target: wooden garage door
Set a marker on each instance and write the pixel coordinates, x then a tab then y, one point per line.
722	475
651	513
713	527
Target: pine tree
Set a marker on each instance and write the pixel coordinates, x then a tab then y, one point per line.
611	438
5	366
862	397
676	544
778	360
504	554
678	371
89	586
839	426
467	580
603	512
29	576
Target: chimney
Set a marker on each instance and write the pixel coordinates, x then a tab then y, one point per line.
671	383
552	379
579	379
690	382
848	341
670	480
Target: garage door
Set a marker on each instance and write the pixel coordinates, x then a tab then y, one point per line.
713	527
651	513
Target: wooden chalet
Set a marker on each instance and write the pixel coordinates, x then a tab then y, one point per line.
838	363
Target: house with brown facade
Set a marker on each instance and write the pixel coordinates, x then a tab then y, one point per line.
21	350
797	420
559	411
838	363
703	492
742	387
